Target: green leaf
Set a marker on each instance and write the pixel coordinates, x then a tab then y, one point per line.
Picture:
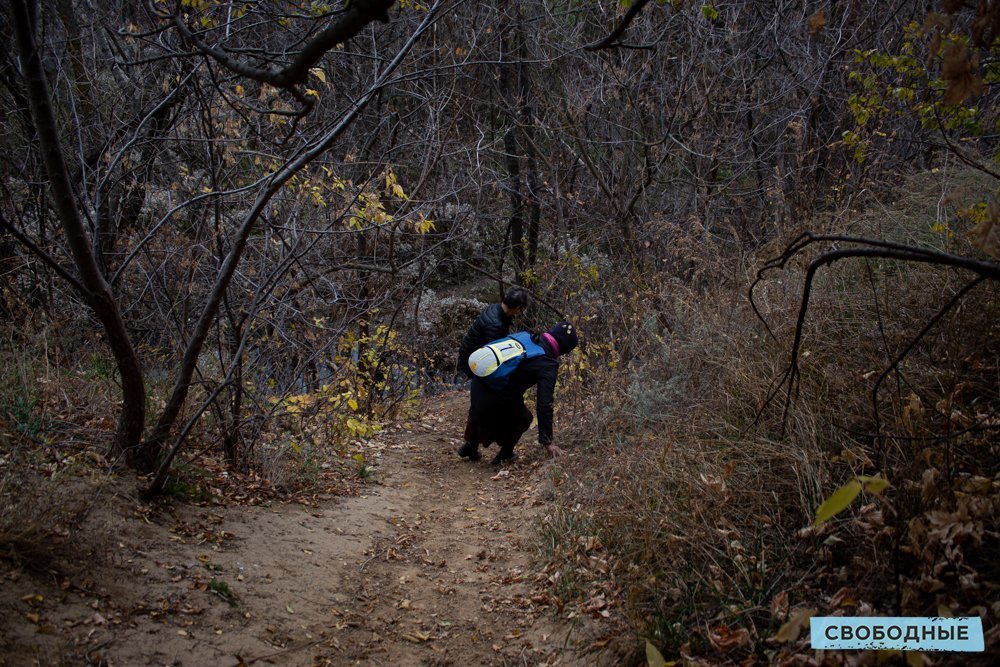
709	12
837	502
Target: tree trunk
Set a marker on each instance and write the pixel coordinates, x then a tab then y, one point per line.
528	132
512	161
96	291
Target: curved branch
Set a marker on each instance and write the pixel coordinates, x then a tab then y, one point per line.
870	248
975	164
620	29
986	268
355	16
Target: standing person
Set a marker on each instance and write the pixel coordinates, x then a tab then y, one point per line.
501	416
493	323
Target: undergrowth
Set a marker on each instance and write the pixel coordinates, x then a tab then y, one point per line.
691	511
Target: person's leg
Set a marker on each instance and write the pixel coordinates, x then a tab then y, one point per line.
470	449
519	422
476	426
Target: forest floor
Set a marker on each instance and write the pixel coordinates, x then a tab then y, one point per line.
431	561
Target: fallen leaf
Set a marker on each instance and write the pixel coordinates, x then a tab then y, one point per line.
843	598
790	631
726	639
653	656
779	606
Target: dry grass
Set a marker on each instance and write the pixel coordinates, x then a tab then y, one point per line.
699	493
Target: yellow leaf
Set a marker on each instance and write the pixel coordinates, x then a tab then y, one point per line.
874	484
354	404
289	609
313	93
653	656
238	89
318	73
837	502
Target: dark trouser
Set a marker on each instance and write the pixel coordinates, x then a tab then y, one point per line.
503	423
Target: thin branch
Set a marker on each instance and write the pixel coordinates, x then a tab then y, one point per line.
228	267
951	303
44	256
620	29
868	248
500	280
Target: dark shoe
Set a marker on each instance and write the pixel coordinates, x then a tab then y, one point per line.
504	457
469	451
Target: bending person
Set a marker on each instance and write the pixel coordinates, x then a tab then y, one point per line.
501	416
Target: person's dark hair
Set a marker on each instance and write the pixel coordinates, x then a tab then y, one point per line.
516	297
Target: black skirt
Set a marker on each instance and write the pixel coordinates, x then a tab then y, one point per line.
496	416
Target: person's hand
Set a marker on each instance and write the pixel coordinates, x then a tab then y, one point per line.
554	451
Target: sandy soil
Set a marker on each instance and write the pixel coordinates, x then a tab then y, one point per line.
432	564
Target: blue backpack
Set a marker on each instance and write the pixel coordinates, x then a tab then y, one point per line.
496	361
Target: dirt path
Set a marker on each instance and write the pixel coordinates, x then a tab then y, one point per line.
430	565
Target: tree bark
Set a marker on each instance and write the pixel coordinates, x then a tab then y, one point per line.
95	290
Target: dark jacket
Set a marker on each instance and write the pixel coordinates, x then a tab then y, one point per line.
491	324
494	407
